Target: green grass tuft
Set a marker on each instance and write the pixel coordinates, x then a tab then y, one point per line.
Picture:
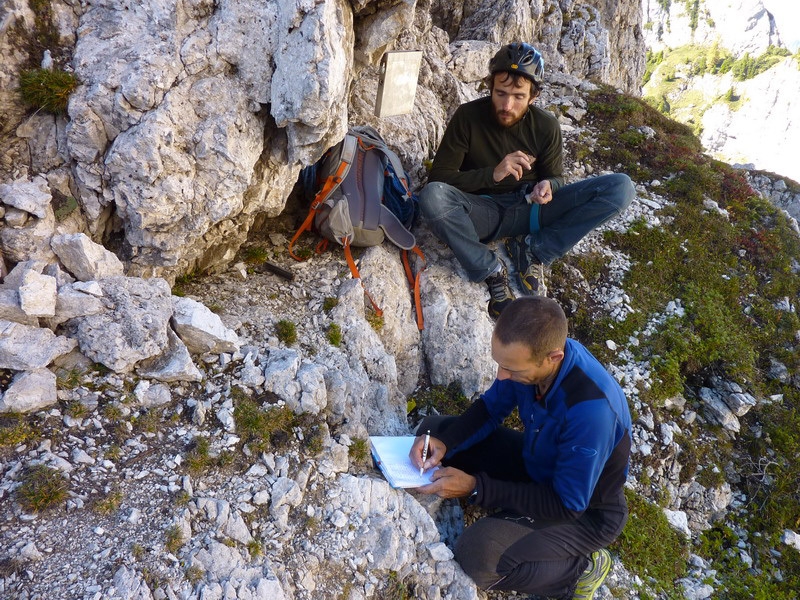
286	331
334	334
109	504
174	539
47	90
15	430
254	255
260	428
42	487
359	451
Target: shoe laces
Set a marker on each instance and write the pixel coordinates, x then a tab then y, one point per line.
498	286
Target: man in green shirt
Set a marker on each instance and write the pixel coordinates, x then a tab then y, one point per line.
498	174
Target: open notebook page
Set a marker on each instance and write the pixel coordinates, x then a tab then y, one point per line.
391	455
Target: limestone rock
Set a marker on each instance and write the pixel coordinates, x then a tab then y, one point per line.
26	348
31	196
85	259
151	395
200	329
174	364
130	585
718	410
450	321
133	329
24	237
37	295
10	310
741	25
280	374
313	396
72	302
30	391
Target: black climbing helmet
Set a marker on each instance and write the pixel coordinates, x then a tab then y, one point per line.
519	58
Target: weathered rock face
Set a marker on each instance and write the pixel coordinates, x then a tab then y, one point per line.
193	118
766	119
741	122
739	25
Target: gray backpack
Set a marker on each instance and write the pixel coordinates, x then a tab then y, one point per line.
362	197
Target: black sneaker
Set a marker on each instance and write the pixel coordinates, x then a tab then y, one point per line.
500	294
529	270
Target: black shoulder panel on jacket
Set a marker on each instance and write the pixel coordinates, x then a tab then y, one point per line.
578	386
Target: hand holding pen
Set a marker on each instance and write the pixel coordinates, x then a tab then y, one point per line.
427	452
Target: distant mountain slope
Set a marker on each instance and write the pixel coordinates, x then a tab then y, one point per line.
720	66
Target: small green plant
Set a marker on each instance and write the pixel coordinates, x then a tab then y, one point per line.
174	539
262	428
255	548
150	420
137	551
15	430
194	574
397	589
329	303
182	498
444	400
182	281
198	459
114	453
109	504
359	451
47	89
334	334
254	255
313	441
63	206
112	411
286	331
375	320
42	487
76	409
68	380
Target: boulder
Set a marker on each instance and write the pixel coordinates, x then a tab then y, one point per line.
27	348
133	328
85	259
29	391
200	329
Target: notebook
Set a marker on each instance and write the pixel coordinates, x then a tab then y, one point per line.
391	456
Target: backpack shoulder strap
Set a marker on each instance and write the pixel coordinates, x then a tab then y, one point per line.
338	167
395	230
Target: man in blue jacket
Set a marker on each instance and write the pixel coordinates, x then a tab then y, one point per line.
557	487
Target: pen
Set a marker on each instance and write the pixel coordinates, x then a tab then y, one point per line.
425	451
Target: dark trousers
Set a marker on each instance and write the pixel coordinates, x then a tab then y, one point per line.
507	551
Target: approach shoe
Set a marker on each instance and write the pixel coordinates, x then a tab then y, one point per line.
500	295
529	270
594	575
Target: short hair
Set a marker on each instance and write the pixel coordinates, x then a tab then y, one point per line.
536	322
536	89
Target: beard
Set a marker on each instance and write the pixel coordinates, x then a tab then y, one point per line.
507	118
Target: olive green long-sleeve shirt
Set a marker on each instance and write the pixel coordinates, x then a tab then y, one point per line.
474	143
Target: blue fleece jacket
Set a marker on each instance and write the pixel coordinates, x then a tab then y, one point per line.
576	442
